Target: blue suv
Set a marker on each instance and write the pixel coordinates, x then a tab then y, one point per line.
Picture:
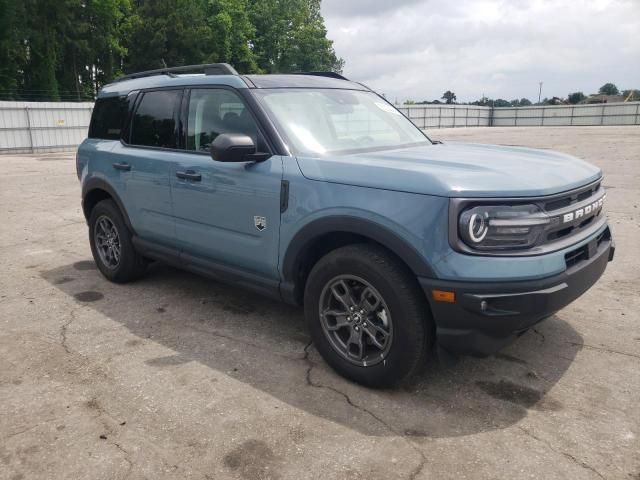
315	190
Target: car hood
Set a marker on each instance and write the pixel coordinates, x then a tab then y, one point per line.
456	170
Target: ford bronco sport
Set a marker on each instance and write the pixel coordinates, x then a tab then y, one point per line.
315	190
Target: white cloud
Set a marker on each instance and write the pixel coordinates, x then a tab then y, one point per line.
419	48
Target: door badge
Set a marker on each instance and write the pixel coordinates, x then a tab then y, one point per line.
260	223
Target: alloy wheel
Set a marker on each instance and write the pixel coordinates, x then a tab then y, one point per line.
107	242
356	320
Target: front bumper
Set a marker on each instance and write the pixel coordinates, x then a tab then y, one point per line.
486	316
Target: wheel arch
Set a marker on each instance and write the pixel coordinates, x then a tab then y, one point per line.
95	190
321	236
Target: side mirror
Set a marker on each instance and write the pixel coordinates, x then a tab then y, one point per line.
236	147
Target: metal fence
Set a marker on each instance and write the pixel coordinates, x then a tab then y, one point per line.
447	116
567	115
441	116
35	127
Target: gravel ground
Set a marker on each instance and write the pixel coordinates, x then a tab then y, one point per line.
180	377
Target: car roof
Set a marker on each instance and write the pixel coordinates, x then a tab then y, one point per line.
316	80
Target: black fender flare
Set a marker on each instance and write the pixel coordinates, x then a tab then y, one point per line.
96	183
346	224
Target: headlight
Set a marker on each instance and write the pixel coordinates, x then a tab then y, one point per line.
502	227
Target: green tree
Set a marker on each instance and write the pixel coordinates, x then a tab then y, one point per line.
231	31
167	32
609	89
67	49
525	102
92	45
183	32
42	49
575	97
12	52
290	36
500	102
449	97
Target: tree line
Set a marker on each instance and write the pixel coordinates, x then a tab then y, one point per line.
68	49
606	90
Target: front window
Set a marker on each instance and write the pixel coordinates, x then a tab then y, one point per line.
319	122
215	111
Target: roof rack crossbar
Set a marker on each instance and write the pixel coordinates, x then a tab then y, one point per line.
207	68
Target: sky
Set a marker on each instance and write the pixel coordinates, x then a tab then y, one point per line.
418	49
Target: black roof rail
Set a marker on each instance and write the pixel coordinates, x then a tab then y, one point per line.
324	74
206	68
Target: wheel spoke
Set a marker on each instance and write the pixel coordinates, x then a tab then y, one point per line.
104	226
355	339
342	292
369	301
332	312
373	331
340	319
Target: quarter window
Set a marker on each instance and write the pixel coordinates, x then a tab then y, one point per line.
109	115
154	122
216	111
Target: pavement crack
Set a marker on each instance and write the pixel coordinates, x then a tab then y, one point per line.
127	458
20	432
28	429
567	455
603	349
310	382
63	331
541	335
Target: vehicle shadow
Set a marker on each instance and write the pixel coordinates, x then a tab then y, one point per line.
265	344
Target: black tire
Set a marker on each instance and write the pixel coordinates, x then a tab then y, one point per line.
131	265
410	320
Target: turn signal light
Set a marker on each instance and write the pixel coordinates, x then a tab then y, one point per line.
443	296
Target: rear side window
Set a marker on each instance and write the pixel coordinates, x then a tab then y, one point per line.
109	115
154	122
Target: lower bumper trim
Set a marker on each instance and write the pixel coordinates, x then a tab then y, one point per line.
486	316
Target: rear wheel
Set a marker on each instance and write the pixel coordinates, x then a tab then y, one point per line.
367	316
111	244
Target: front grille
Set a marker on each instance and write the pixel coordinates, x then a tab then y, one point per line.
583	205
572	197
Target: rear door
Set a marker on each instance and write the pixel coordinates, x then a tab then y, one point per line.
227	213
146	158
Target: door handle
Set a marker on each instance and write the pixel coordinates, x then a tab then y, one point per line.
189	175
125	167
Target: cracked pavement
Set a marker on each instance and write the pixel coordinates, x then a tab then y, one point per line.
176	376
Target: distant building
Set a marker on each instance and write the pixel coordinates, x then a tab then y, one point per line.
600	98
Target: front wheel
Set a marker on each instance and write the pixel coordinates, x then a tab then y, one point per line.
367	316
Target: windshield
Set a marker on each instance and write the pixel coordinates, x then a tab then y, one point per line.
318	122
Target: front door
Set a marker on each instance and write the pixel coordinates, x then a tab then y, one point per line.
227	213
